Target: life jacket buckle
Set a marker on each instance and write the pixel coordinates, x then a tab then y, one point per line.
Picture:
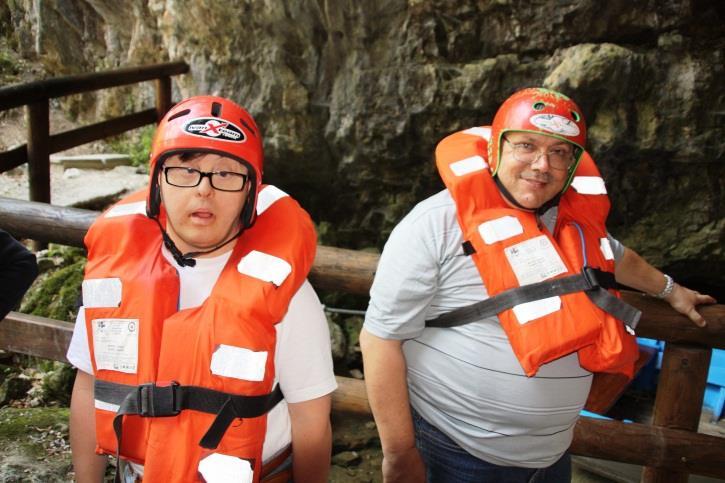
590	276
159	400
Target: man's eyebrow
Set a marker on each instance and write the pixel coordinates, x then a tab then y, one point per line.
531	140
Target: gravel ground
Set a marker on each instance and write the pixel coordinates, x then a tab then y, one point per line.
76	187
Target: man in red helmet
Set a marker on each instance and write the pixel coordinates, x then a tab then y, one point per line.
203	352
494	302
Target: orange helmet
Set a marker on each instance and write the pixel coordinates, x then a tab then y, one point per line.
541	111
213	125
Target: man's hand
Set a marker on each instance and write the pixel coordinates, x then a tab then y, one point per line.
403	467
684	300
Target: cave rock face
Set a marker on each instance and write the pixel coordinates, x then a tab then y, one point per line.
353	96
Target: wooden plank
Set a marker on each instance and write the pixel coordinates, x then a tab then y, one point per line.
682	367
351	396
13	158
28	93
641	444
35	336
112	127
671	449
608	388
352	271
344	270
40	221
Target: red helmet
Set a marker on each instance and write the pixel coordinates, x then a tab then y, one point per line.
541	111
208	124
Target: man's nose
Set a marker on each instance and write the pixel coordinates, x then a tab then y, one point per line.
204	187
541	162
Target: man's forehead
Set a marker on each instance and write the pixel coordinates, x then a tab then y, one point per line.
534	138
198	157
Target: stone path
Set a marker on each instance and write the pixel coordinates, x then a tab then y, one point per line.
81	188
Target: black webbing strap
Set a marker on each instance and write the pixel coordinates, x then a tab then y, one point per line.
591	281
618	308
153	400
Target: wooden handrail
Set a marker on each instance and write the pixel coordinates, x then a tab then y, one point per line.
75	137
21	94
664	448
351	271
36	97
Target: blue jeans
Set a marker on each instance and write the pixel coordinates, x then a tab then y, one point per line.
446	462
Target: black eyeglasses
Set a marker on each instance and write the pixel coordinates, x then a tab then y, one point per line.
184	177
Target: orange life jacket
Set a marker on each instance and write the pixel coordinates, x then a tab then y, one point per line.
219	354
513	249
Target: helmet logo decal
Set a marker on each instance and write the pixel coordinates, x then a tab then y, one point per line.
555	124
215	128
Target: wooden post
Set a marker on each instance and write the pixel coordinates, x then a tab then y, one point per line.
163	96
38	151
679	398
39	155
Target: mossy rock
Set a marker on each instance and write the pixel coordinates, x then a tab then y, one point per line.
55	294
34	445
58	384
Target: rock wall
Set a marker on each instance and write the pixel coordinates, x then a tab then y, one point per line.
353	96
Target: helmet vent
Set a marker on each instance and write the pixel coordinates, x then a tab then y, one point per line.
538	106
576	116
248	127
179	114
216	109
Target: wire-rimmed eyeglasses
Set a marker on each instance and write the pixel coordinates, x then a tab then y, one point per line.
559	157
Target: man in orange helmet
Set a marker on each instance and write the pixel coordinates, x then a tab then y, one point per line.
203	352
494	302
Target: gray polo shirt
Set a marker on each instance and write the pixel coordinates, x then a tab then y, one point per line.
466	380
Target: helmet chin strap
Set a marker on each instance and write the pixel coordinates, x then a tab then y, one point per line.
187	259
509	197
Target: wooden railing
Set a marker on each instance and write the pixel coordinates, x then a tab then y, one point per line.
41	144
670	448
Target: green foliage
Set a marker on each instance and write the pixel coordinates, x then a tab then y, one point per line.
137	144
9	66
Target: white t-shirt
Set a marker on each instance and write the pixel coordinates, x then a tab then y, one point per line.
303	359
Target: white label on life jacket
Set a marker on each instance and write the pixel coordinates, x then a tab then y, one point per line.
534	260
468	165
137	208
589	185
482	132
221	468
239	363
115	344
265	267
606	248
106	406
267	197
102	292
529	311
493	231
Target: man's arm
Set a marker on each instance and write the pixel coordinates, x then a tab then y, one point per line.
634	271
387	388
89	466
311	439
